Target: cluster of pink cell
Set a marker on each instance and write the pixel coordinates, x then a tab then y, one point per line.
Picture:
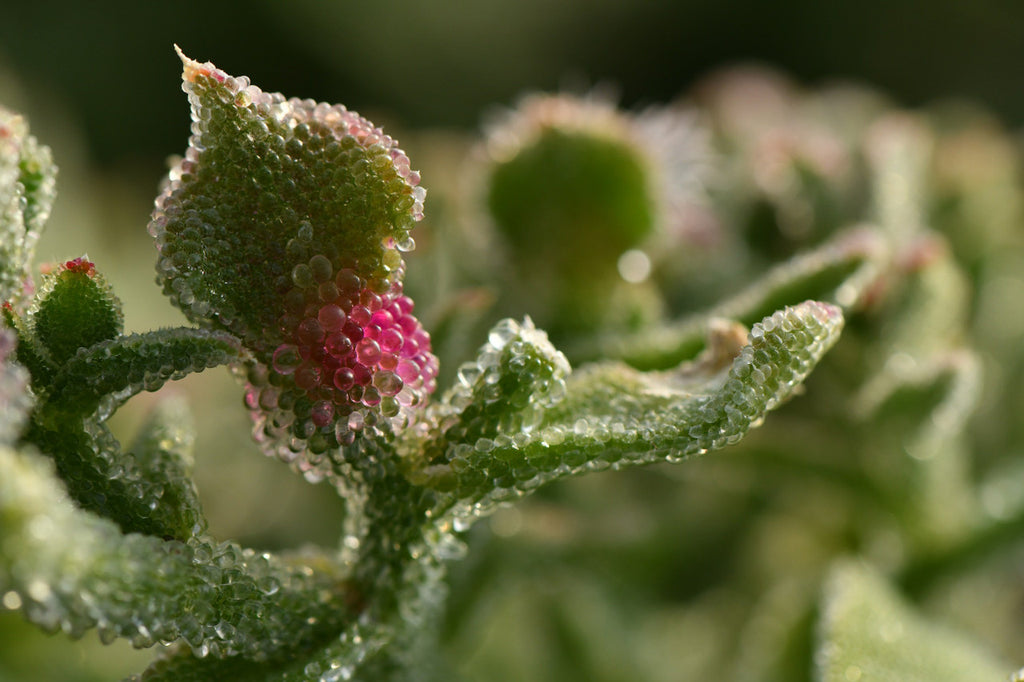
353	351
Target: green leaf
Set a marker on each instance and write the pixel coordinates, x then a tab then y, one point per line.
573	185
515	376
27	191
333	662
98	379
28	351
71	571
149	491
266	185
163	453
102	479
284	225
613	416
569	178
924	384
15	401
144	492
868	632
838	272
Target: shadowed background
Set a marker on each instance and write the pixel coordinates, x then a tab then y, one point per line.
441	64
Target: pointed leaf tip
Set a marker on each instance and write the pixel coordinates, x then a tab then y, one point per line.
191	69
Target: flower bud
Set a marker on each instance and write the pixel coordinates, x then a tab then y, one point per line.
75	309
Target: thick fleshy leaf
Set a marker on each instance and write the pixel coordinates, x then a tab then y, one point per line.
284	224
574	185
516	376
613	416
920	407
163	453
69	570
266	185
569	178
102	479
339	660
27	191
98	379
867	632
145	492
838	272
28	352
15	401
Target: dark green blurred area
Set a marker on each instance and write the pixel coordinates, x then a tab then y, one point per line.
442	64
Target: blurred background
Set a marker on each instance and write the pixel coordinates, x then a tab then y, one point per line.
107	66
100	85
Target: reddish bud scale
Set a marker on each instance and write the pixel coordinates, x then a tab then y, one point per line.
81	266
356	359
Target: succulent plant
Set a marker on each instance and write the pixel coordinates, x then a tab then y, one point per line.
282	233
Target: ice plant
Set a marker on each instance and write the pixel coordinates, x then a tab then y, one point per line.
300	259
280	235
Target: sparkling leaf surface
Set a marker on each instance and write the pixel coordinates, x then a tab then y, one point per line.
612	415
71	571
102	377
285	225
838	272
267	184
27	191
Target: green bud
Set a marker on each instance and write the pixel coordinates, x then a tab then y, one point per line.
76	309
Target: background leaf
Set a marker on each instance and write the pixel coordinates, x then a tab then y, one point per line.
868	632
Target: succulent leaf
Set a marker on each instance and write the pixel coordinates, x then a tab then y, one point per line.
69	570
612	415
333	662
838	272
163	452
98	379
284	224
102	479
266	185
27	191
515	377
570	187
15	401
868	632
28	352
148	491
